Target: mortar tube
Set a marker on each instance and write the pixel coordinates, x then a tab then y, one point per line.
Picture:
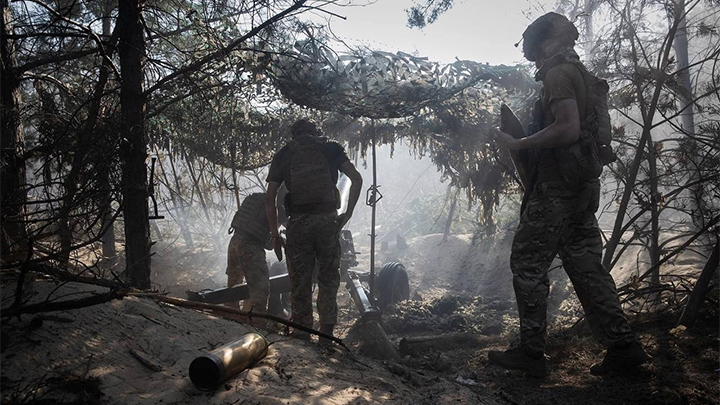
211	369
362	302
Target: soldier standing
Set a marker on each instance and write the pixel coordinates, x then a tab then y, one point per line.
558	214
308	165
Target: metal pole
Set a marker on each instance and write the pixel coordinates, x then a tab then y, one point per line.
373	202
236	189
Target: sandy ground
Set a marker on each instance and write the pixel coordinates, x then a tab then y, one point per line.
84	356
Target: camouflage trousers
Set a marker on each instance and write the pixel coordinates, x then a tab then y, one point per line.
312	239
246	258
561	219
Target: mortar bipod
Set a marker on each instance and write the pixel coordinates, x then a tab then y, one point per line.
360	297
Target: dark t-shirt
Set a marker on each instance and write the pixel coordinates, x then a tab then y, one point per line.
561	82
333	151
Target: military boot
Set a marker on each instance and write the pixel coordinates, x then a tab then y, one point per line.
517	359
622	358
326	328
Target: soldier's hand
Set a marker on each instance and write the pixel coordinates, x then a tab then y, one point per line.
278	244
505	140
343	219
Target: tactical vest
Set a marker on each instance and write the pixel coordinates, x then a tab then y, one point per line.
310	184
250	220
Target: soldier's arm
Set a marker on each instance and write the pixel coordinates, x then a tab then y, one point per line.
272	215
565	130
355	187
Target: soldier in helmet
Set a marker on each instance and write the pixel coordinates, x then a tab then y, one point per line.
308	165
558	214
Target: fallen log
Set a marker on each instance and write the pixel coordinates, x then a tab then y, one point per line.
418	345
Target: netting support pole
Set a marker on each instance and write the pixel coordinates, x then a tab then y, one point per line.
373	205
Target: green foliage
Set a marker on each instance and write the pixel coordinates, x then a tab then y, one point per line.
421	15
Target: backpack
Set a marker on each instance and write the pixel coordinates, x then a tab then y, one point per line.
584	160
309	181
248	219
597	114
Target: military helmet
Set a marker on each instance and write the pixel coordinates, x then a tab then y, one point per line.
551	26
303	126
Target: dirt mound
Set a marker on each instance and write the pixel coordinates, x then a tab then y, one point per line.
463	266
448	314
91	355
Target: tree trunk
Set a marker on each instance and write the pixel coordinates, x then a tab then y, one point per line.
589	33
687	116
85	142
654	212
680	45
108	238
451	215
133	149
13	236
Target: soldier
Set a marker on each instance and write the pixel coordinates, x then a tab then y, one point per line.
558	214
246	251
308	165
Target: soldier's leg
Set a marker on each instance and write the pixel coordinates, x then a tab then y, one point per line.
530	259
233	271
300	263
581	255
328	267
257	276
533	249
535	245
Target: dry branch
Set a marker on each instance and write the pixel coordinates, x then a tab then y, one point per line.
67	276
250	314
63	305
697	296
145	359
672	254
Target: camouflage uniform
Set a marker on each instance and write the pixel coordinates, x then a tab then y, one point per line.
246	257
309	166
558	218
311	238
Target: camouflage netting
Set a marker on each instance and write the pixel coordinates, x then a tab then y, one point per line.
444	111
386	85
